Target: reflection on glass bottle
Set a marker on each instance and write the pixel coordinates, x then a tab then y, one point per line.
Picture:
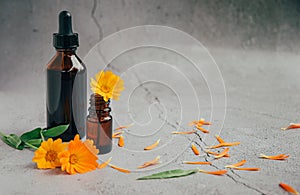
66	82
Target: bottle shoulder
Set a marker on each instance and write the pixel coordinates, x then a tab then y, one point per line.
66	62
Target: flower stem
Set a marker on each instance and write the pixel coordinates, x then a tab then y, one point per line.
31	146
42	136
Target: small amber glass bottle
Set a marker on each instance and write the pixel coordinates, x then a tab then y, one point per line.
99	124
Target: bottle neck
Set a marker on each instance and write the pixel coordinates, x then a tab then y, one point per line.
68	51
98	107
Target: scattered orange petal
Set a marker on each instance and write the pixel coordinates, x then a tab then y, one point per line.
121	141
277	157
202	129
184	132
215	153
223	153
120	169
219	172
193	123
149	163
241	163
288	188
195	150
220	140
292	126
104	164
117	134
124	127
226	144
153	145
197	163
200	122
246	168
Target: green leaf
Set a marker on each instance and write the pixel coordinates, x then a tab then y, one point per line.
33	143
34	134
170	174
55	131
12	140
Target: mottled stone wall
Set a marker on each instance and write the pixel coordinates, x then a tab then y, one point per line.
27	25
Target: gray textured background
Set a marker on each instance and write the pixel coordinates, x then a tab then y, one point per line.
255	44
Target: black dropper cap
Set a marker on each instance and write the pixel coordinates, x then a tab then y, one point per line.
65	38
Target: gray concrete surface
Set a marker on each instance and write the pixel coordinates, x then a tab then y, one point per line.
255	47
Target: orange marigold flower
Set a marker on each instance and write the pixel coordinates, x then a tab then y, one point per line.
46	156
107	84
78	158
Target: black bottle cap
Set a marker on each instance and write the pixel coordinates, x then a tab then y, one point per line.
65	38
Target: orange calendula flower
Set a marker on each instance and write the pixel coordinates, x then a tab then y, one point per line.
150	163
292	126
241	163
219	172
153	145
277	157
78	158
195	150
46	156
104	164
197	163
184	132
288	188
107	84
119	169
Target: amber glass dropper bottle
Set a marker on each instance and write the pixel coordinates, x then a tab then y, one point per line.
66	82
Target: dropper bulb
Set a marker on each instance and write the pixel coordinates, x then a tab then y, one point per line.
65	38
65	23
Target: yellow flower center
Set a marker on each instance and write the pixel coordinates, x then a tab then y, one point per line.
51	155
105	88
73	159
